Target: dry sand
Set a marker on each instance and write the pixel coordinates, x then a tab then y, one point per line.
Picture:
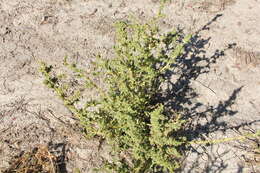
219	82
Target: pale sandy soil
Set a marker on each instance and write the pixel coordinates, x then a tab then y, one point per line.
219	82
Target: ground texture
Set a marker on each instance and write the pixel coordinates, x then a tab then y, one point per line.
217	84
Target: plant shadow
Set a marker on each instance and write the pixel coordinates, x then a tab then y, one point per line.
180	96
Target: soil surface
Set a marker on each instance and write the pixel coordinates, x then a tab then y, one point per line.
217	84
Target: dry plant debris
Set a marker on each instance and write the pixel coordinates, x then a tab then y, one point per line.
39	160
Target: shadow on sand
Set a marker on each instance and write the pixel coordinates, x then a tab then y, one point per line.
179	96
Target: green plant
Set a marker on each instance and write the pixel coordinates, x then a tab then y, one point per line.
144	136
142	133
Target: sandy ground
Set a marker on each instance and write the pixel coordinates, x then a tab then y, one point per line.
218	81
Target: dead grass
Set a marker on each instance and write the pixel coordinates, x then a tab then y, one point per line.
210	6
252	159
246	59
39	160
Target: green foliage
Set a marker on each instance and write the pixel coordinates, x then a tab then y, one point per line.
142	133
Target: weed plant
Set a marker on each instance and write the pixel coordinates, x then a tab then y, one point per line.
144	136
142	133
